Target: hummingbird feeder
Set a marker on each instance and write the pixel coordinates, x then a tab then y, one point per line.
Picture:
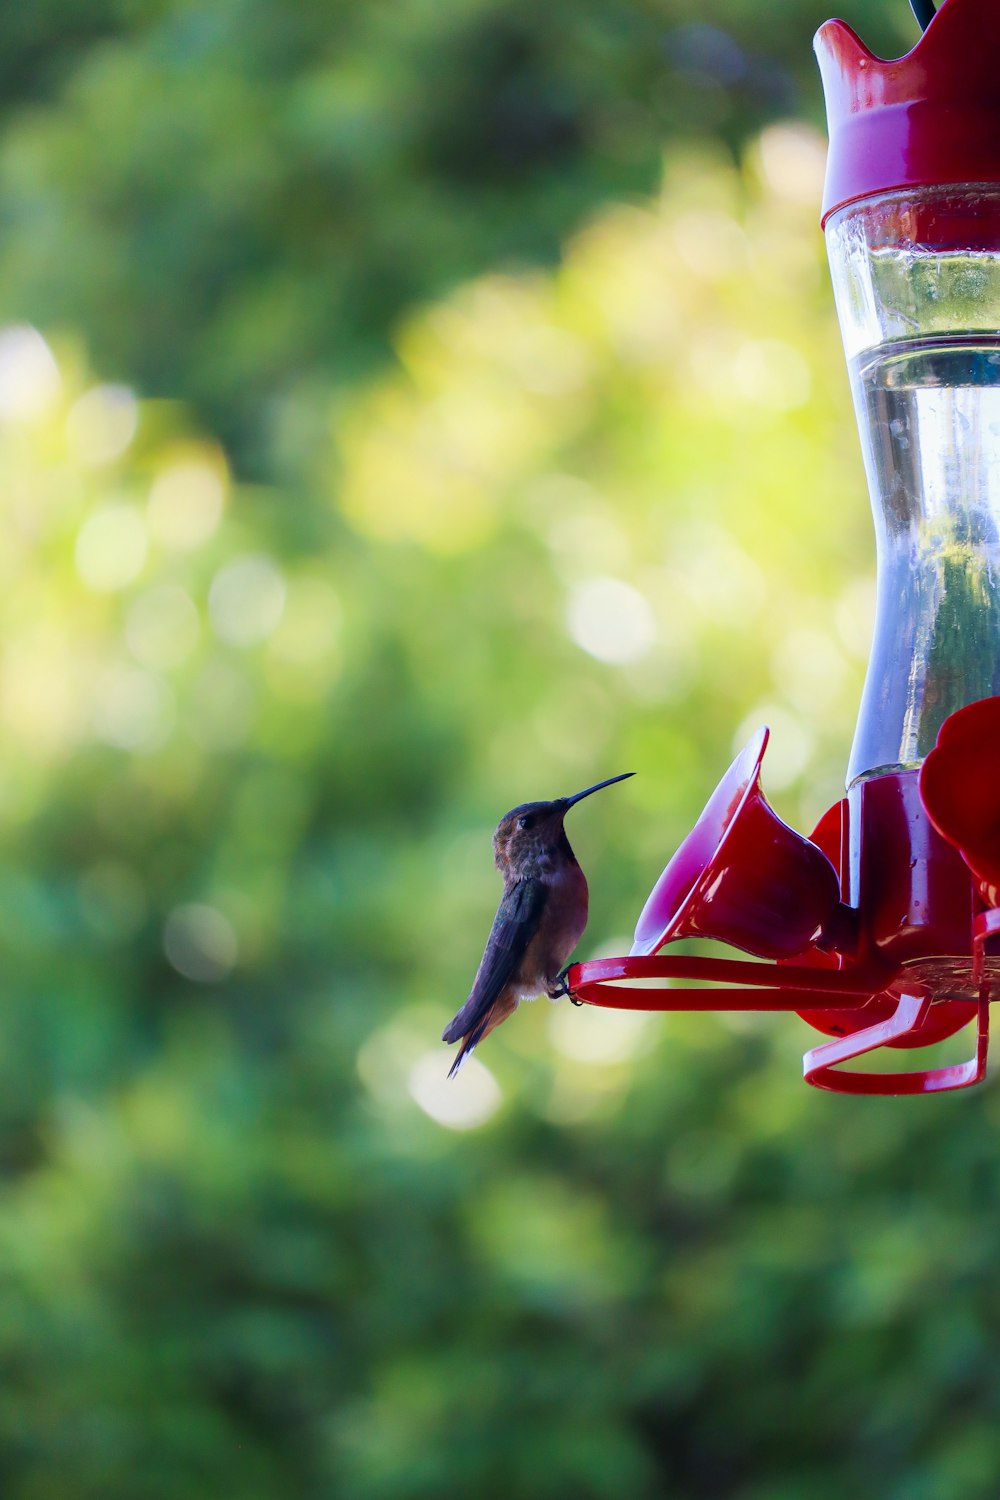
883	928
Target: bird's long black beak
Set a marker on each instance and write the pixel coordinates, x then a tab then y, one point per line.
568	801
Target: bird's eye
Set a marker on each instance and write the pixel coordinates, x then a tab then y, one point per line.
526	821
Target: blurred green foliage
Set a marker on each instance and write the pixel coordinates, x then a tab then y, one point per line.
236	200
279	646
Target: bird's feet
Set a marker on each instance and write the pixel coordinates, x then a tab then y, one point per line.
560	987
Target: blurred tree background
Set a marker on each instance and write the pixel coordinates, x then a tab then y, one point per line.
406	410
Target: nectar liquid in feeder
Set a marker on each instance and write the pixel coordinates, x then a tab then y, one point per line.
917	283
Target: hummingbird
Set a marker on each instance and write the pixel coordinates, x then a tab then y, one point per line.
539	921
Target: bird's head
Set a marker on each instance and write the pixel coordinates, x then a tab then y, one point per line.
531	838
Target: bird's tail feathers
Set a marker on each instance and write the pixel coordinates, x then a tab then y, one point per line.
463	1022
469	1043
466	1051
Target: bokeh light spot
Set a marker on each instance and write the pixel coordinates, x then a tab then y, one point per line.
712	573
102	423
793	159
200	943
583	532
469	1099
133	709
710	244
771	373
812	672
29	374
589	1034
186	501
246	600
111	548
611	620
43	690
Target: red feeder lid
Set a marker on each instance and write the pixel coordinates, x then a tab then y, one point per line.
929	118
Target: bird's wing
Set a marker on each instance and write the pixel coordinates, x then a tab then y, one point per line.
514	925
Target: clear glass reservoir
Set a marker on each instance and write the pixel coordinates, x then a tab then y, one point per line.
916	278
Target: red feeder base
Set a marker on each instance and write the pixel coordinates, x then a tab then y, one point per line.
876	927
